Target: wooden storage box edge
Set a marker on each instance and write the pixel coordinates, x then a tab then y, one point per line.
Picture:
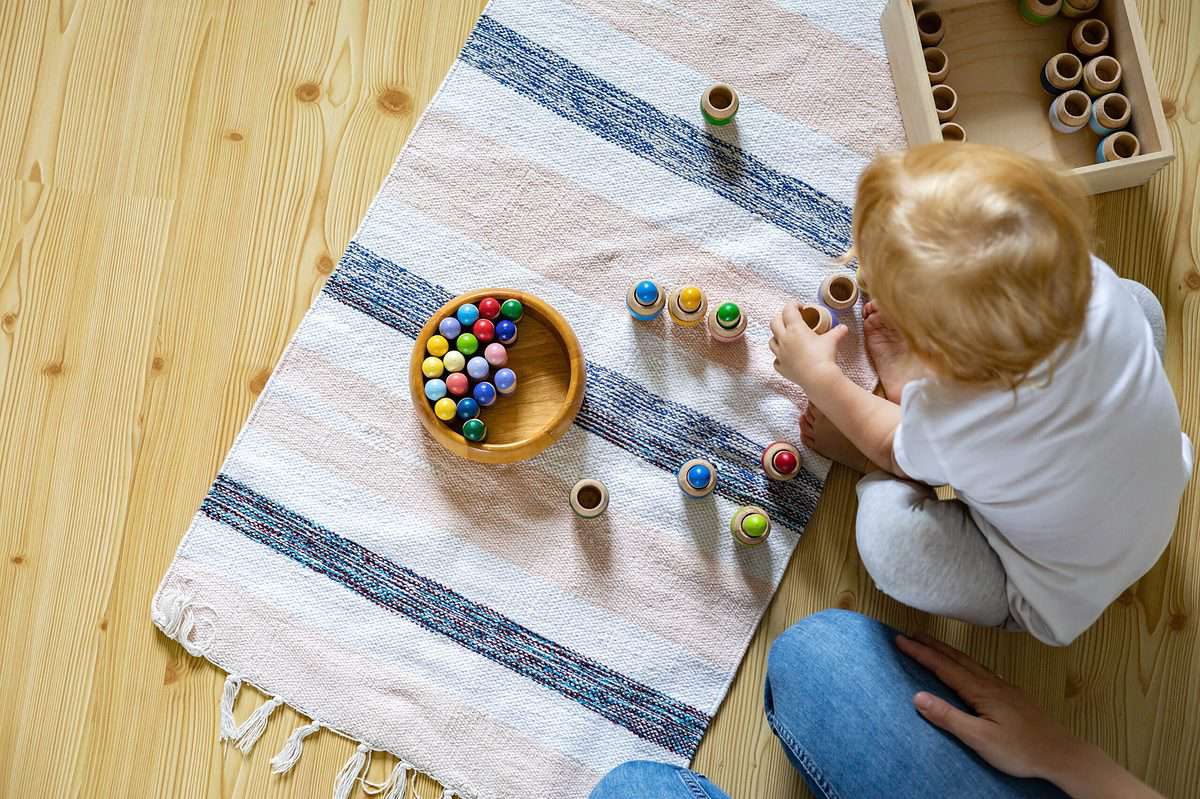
907	64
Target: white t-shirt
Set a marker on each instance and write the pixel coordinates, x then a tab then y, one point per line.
1075	484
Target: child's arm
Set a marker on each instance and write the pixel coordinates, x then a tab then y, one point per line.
809	360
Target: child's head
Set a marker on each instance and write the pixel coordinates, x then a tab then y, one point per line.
978	256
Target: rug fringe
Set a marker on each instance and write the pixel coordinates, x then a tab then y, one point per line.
176	617
401	781
344	784
282	763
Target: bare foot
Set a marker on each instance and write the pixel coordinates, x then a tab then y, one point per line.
893	362
820	435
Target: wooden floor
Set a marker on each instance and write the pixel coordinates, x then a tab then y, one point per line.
178	179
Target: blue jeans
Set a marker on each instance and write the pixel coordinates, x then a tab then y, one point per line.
839	697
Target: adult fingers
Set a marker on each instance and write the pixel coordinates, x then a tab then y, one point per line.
964	682
971	730
958	656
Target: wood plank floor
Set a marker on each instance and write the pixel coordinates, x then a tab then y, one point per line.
178	179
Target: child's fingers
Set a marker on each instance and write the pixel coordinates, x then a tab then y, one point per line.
774	345
791	316
839	333
777	325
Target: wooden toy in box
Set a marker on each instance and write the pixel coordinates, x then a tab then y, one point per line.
996	59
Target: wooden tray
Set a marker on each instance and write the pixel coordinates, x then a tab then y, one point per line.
995	60
550	383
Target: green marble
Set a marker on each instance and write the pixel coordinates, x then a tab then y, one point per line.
728	315
512	309
754	525
466	343
474	430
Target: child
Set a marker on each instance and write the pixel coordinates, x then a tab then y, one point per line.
1015	367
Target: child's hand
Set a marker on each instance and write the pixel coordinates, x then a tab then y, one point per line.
800	354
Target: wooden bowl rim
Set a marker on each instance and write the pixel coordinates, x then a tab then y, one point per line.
551	431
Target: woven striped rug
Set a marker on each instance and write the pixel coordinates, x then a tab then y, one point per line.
458	615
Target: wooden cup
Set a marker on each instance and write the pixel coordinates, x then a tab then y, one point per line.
930	27
1090	37
937	64
945	102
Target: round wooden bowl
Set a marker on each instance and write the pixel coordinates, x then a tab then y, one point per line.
550	381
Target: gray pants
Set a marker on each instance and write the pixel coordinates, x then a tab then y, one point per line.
931	555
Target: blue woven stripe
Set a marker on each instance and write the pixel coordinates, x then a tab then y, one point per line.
618	409
645	712
666	140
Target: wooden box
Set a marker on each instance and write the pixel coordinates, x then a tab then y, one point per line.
996	60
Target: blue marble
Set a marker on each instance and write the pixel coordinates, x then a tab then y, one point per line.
698	476
478	368
435	389
467	408
485	393
467	314
646	292
506	331
506	380
450	328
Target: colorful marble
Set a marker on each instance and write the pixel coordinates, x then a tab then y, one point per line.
478	368
457	384
506	332
750	525
728	315
484	393
725	322
474	430
435	389
754	525
450	328
781	461
466	343
697	478
689	298
489	308
505	380
512	310
445	408
496	354
432	367
484	330
467	408
644	300
437	346
454	361
466	314
687	306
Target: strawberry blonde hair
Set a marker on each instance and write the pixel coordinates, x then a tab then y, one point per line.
979	256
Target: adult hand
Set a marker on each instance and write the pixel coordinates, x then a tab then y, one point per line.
800	354
1009	731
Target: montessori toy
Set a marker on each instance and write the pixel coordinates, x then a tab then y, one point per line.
750	525
697	477
432	367
952	131
505	380
839	292
726	322
645	300
1110	112
484	330
474	430
1073	9
687	305
506	332
1101	75
930	28
719	104
472	407
945	102
1117	146
589	498
489	308
1061	73
1090	37
1070	111
496	354
1039	12
937	64
817	317
781	461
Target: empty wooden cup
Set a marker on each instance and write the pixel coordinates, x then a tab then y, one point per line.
1117	146
952	131
937	64
1070	111
1101	75
1110	112
930	27
945	102
1078	8
1039	12
1061	73
1090	37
